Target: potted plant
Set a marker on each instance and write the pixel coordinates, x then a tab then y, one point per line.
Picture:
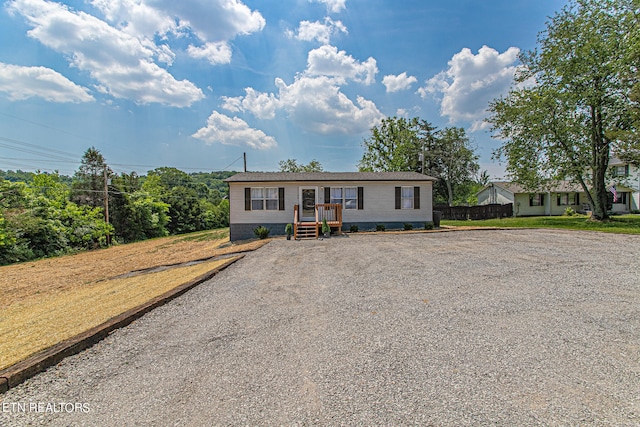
288	229
326	230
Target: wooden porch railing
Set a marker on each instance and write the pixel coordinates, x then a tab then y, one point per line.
332	212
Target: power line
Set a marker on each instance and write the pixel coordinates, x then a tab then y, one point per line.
57	156
39	147
233	162
46	126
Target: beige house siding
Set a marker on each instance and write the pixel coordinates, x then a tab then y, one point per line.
378	205
378	202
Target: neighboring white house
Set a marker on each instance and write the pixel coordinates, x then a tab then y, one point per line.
627	175
554	200
363	199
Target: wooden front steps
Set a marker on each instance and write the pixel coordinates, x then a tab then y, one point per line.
310	229
306	231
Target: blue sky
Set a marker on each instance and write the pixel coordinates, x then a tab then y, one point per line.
195	83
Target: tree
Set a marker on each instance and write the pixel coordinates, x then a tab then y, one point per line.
394	146
88	181
452	160
414	145
572	104
291	165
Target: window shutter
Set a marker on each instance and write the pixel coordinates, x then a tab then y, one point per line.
327	194
281	198
416	197
247	199
577	198
398	197
626	170
360	198
542	197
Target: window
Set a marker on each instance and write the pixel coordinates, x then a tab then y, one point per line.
407	198
536	199
621	199
264	199
620	170
347	197
351	198
336	195
566	199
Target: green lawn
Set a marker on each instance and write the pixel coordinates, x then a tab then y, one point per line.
623	224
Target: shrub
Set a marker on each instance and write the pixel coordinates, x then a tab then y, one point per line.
408	226
569	212
325	227
288	229
380	227
353	228
428	225
261	232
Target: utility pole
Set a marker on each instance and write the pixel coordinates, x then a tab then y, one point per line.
106	204
245	161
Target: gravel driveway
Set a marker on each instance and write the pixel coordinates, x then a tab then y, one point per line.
507	327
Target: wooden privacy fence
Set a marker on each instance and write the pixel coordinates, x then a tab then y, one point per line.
475	212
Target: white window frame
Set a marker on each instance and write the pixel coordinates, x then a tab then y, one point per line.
345	205
406	200
335	197
264	198
342	198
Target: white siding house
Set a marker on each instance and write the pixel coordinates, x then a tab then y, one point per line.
555	200
364	199
627	177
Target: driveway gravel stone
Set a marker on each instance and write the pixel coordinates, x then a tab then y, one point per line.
501	327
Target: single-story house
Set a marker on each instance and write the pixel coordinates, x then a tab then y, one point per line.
551	201
304	199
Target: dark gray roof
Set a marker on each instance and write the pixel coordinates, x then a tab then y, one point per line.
328	176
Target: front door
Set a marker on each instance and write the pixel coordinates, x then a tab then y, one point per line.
308	203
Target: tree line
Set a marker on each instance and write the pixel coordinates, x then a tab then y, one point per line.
47	214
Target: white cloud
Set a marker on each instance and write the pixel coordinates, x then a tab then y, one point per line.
314	101
261	105
28	82
334	6
122	64
328	61
471	82
319	31
210	20
233	131
399	82
214	52
317	105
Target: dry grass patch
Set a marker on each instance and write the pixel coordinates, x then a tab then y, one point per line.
30	279
45	302
42	320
